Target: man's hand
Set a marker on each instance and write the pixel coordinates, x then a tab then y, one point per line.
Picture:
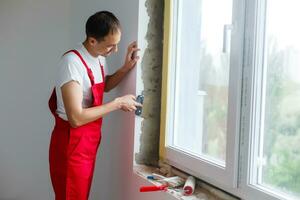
131	57
127	103
130	61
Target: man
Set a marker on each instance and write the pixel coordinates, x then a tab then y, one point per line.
77	105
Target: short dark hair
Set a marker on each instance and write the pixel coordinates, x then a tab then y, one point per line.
101	24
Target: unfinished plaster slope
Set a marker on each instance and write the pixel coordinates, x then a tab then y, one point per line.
151	66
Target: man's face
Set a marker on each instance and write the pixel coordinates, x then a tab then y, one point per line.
108	45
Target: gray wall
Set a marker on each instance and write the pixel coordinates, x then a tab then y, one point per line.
33	35
114	158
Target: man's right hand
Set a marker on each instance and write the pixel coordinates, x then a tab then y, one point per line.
127	103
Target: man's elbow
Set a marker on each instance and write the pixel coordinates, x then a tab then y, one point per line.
74	122
107	89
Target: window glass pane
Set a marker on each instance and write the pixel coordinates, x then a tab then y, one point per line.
281	132
202	76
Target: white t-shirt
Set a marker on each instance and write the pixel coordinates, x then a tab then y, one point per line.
72	69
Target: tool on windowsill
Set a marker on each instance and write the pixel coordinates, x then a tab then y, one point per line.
174	181
153	188
189	186
155	176
166	183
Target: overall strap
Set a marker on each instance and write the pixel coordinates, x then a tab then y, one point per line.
89	71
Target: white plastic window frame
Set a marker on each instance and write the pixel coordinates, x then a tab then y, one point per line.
247	50
254	83
203	167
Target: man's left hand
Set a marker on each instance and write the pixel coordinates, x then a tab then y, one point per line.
131	57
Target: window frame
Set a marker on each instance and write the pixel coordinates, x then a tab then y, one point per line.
217	174
253	99
246	49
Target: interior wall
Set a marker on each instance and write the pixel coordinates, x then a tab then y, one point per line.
141	20
114	163
33	35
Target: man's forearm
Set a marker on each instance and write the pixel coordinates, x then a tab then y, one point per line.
87	115
130	62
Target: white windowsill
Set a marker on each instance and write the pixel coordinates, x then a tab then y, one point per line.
202	192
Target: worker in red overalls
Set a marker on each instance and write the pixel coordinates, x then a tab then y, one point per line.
76	104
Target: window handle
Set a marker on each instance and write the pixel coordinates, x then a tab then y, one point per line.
226	37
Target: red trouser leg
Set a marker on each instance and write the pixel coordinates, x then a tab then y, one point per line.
94	163
83	147
58	162
72	161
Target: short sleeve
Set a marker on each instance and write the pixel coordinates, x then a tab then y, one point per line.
69	70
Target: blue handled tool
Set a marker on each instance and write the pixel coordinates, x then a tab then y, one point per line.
139	99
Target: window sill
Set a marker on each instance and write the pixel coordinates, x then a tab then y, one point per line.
202	191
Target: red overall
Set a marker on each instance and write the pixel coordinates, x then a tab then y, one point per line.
73	151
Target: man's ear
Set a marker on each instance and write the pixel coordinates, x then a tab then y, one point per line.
92	41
